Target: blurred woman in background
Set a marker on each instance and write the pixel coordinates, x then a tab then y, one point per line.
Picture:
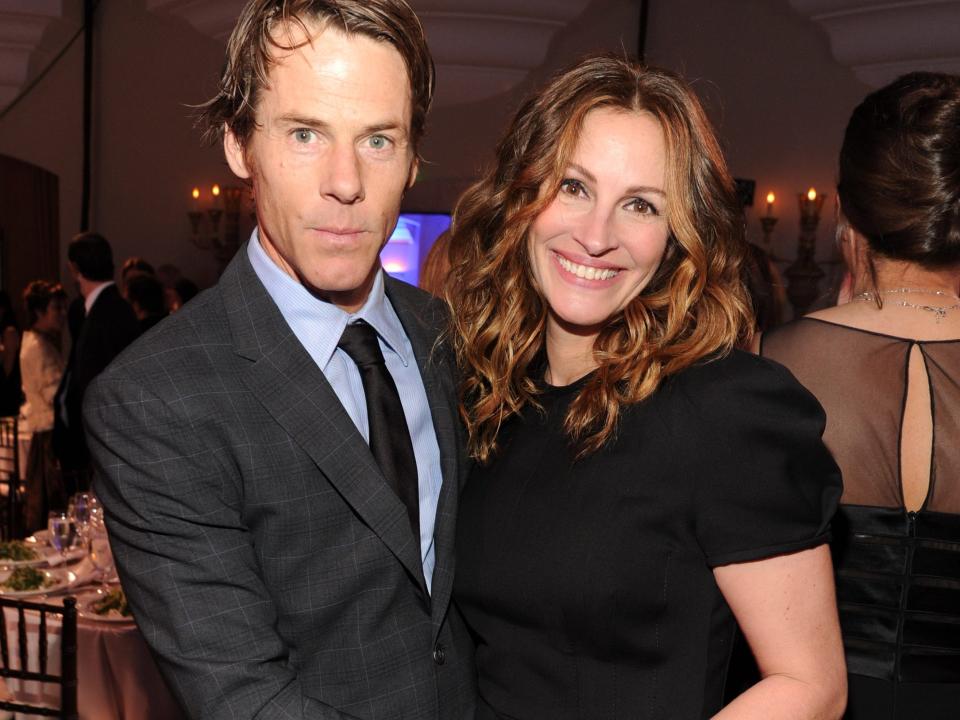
886	367
42	365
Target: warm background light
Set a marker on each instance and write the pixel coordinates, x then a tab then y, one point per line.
195	193
771	198
811	194
215	190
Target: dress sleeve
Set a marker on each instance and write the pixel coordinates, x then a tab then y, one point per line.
764	482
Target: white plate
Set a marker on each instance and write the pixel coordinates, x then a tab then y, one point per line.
40	559
56	580
49	555
40	536
85	608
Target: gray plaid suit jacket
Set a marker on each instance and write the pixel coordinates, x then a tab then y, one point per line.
271	569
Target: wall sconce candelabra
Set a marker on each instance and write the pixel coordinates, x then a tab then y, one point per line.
215	222
804	274
767	223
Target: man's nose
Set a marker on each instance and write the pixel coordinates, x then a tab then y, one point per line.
342	175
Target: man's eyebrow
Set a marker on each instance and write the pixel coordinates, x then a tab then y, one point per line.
311	122
301	120
638	189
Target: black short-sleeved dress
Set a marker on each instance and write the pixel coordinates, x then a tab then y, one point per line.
589	586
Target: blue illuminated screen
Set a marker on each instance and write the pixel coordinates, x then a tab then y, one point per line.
407	248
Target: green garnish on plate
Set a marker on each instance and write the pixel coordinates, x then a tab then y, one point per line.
17	551
26	578
114	600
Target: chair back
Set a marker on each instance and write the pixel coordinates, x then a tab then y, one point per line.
67	679
10	480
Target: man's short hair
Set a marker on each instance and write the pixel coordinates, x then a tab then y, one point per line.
92	255
252	42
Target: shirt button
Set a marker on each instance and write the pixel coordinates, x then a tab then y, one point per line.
438	656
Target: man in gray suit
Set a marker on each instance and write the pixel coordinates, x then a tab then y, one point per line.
264	546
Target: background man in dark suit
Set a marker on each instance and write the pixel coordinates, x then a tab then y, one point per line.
107	327
277	564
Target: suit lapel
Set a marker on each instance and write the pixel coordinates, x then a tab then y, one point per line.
438	380
286	380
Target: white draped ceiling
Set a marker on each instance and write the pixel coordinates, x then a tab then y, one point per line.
485	47
881	40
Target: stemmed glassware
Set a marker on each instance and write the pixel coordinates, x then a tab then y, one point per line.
63	531
98	550
82	508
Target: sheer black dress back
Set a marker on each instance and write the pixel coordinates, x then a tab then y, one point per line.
897	562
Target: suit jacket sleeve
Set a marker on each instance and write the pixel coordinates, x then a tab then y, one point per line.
186	560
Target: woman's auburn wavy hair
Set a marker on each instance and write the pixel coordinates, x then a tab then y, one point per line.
694	307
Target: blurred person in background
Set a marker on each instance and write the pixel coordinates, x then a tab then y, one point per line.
42	364
183	291
145	295
133	267
108	326
436	266
886	367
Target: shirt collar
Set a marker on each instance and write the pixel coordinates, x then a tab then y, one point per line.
92	296
318	324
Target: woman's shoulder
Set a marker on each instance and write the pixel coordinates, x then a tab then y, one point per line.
735	385
729	372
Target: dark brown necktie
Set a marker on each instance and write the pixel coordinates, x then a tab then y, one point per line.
389	436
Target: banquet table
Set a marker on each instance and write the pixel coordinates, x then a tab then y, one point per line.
117	677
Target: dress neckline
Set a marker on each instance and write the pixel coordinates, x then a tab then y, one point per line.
901	338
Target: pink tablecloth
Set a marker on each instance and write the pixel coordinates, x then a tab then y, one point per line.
116	675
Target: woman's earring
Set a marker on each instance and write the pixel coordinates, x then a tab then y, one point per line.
840	234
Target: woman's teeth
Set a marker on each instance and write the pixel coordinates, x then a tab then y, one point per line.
585	271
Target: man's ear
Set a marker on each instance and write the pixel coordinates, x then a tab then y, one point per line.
414	169
235	154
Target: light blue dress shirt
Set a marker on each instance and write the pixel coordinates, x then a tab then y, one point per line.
318	326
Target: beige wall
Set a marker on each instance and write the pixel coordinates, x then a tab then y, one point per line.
765	72
777	97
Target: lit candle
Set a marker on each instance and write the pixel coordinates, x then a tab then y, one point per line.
195	194
770	199
215	192
810	203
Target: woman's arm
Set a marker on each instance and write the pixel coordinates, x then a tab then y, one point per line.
787	609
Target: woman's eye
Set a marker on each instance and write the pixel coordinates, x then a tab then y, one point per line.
642	207
379	142
303	135
572	187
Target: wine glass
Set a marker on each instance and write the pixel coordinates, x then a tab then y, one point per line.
81	508
63	531
98	550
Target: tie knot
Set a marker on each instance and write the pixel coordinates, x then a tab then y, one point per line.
359	341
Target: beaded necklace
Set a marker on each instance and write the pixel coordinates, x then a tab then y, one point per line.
939	311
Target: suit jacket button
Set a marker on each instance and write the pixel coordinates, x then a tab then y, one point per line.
438	656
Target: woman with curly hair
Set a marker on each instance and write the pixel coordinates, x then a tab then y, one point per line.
640	486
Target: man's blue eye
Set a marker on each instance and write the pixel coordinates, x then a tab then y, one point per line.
303	135
378	142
